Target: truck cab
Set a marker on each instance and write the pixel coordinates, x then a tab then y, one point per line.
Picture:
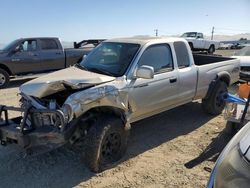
197	42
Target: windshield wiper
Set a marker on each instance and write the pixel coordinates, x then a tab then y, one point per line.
101	71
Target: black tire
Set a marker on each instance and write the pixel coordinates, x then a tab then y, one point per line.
211	49
191	46
106	143
215	104
4	78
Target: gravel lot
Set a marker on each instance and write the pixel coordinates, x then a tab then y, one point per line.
177	148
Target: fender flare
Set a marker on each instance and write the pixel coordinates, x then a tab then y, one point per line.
221	76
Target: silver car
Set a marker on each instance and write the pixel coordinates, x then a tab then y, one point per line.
232	168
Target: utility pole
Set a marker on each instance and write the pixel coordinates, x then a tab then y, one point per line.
156	32
212	36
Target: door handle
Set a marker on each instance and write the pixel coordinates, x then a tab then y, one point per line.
58	53
172	80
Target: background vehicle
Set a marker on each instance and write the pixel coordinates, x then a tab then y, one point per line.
223	46
232	168
244	56
36	55
118	83
197	42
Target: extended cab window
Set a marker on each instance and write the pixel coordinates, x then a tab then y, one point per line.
48	44
182	54
159	57
200	35
28	45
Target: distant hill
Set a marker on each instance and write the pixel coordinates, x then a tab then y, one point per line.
235	37
230	37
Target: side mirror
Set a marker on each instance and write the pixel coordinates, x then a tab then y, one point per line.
198	37
17	49
84	56
146	72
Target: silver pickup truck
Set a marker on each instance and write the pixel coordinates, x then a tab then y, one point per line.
121	81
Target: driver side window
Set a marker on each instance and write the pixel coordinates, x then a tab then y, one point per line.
159	57
27	45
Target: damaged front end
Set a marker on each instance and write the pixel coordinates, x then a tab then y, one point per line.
51	110
39	128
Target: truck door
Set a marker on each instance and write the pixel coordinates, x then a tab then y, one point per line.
187	73
152	95
200	41
26	58
52	55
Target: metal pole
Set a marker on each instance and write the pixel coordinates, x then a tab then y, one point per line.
212	36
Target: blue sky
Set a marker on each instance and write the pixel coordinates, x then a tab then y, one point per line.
74	20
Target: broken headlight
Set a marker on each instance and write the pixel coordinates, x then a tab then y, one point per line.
67	111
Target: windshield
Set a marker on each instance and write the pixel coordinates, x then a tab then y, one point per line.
243	52
9	46
190	34
110	58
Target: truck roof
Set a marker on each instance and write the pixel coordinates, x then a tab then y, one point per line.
31	38
144	40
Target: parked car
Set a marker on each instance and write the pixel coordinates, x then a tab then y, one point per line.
120	82
223	46
232	168
36	55
197	42
244	56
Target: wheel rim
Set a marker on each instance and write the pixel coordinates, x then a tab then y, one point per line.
110	148
2	79
219	99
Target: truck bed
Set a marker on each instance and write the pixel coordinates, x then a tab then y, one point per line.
200	59
208	66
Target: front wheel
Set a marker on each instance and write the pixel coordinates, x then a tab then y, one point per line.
106	143
215	103
4	79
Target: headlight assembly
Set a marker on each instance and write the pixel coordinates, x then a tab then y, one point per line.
68	112
232	168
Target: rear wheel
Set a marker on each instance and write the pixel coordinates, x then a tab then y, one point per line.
191	46
211	49
215	103
106	143
4	78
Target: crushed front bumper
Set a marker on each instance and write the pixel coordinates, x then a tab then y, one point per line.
43	137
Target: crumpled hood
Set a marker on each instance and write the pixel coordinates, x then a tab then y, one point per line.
244	60
72	77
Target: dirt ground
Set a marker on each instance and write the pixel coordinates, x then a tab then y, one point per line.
177	148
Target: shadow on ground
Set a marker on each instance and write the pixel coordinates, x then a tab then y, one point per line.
63	167
213	150
17	82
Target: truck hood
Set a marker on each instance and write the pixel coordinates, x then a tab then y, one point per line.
244	60
72	77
